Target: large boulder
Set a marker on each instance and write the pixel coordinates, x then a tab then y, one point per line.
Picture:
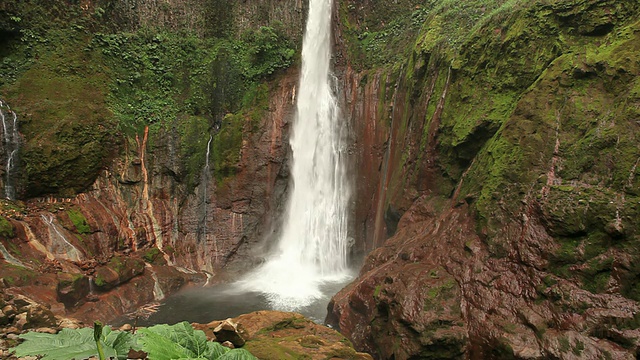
119	270
72	289
276	335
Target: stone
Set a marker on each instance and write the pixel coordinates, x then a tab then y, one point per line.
72	289
119	270
9	310
39	316
46	330
228	344
126	327
228	331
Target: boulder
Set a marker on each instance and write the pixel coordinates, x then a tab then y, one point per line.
119	270
72	289
276	335
228	331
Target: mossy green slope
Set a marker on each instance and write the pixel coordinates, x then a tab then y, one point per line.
541	109
86	82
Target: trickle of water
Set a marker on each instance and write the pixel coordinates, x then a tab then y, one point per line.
158	294
313	248
11	145
202	234
61	246
10	258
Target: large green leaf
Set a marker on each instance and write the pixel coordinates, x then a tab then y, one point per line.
70	344
167	342
237	354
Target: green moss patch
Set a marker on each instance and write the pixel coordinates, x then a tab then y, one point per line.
79	221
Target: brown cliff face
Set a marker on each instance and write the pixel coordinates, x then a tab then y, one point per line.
137	209
513	239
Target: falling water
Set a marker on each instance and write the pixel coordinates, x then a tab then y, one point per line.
313	247
61	246
158	294
11	144
202	234
10	258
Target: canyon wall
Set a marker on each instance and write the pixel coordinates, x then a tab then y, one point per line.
494	151
499	158
188	182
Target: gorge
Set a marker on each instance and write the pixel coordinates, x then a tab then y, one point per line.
491	146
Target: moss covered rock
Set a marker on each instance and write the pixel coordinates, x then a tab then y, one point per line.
119	270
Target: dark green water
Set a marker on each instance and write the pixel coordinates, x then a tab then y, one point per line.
223	301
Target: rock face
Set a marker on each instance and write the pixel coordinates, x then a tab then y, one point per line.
500	160
279	335
100	202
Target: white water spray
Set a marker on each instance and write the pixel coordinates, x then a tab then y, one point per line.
202	234
10	144
313	248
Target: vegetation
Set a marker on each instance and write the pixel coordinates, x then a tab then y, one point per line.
6	228
89	83
71	344
160	342
79	221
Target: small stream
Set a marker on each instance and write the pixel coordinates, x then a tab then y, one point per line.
223	301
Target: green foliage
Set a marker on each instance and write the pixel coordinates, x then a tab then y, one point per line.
71	344
264	51
226	146
387	34
160	342
79	221
156	75
181	341
6	228
151	255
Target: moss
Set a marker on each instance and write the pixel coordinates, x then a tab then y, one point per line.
226	146
438	294
99	281
311	341
565	345
17	275
6	228
376	291
151	255
289	323
79	221
271	349
60	101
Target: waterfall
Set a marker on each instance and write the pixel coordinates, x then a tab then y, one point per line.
10	258
59	243
158	294
10	144
313	247
202	234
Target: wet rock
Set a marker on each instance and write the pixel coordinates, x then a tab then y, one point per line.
228	331
39	316
119	270
72	289
46	330
70	323
276	335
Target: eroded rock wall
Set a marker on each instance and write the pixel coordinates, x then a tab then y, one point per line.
95	190
506	145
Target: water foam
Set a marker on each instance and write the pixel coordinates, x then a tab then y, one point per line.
314	245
